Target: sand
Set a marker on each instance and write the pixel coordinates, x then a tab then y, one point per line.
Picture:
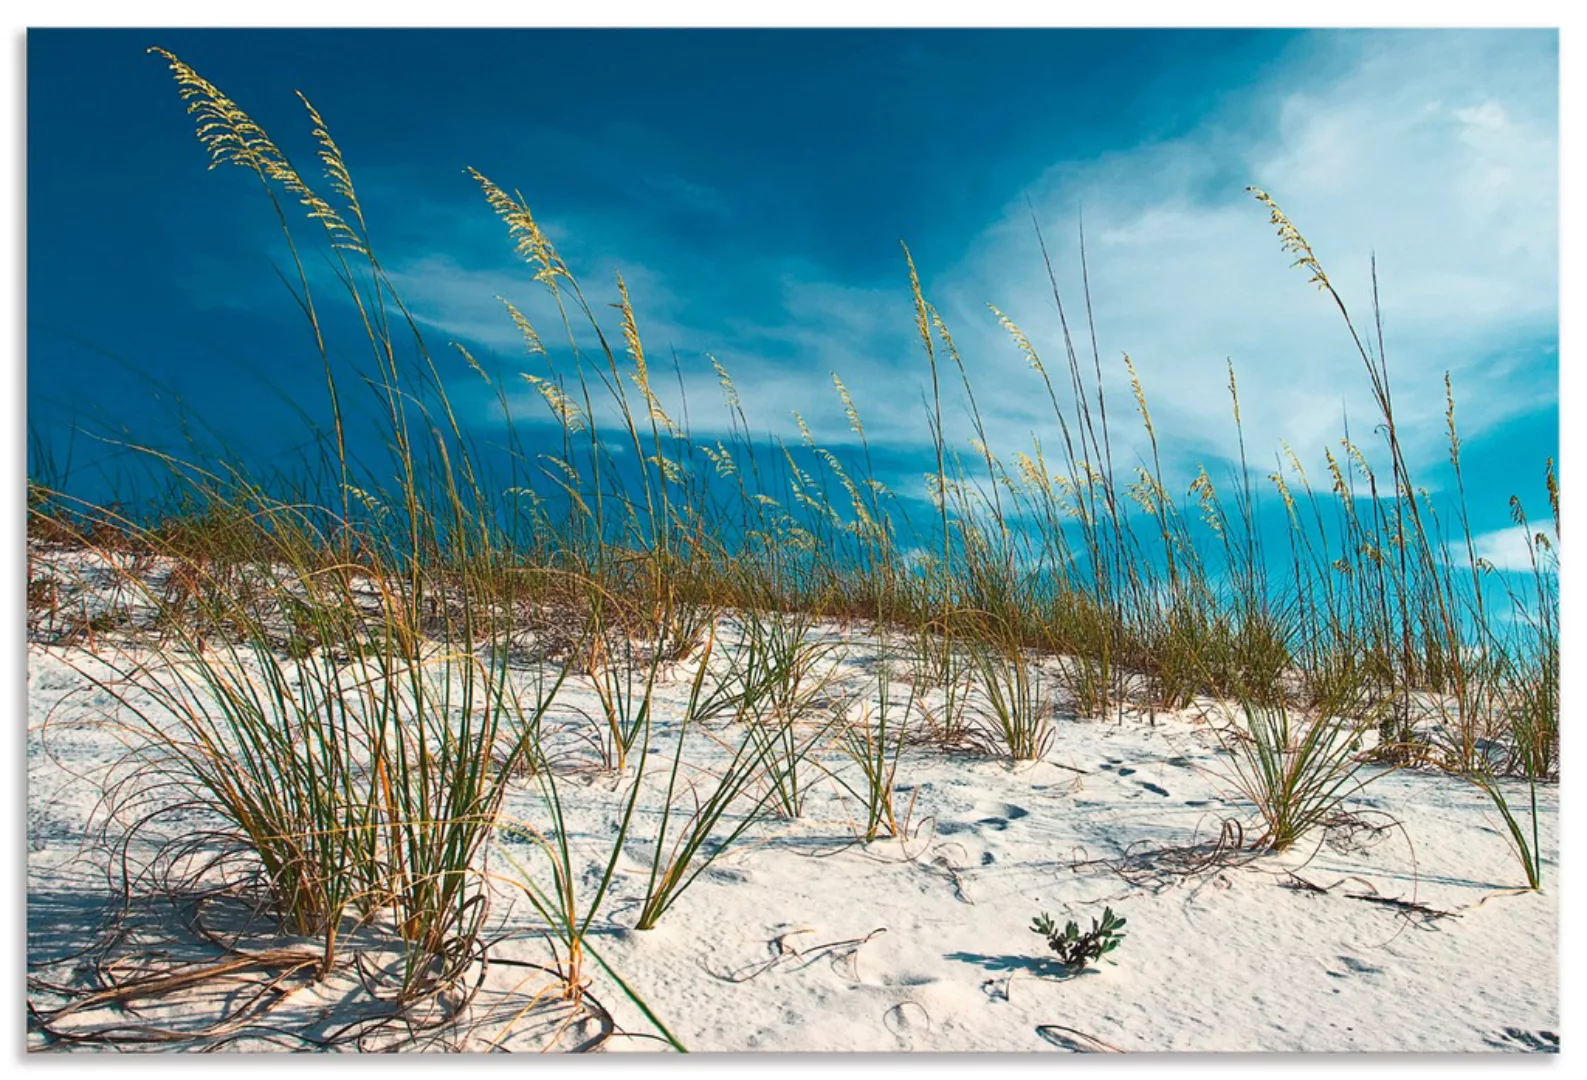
1404	933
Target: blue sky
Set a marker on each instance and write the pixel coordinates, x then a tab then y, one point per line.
752	188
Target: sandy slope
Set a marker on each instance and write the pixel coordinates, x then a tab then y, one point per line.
802	938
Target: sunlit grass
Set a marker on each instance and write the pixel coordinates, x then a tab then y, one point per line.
329	660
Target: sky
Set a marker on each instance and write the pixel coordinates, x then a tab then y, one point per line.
753	187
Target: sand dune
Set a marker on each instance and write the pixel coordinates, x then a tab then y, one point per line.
1400	931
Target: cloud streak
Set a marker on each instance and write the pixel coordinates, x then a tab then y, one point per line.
1434	151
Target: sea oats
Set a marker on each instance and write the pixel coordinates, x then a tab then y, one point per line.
804	429
1032	477
369	501
1234	393
1294	462
335	165
1140	396
567	412
1340	487
531	243
848	406
1020	340
720	457
469	358
534	497
231	137
531	339
1291	239
725	381
922	324
1551	482
1277	480
862	514
1146	492
1211	514
670	469
1357	458
1449	422
636	352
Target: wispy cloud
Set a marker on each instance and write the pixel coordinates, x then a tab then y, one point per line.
1437	152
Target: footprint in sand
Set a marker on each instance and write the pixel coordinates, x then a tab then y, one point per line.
998	815
906	1021
1356	967
1154	789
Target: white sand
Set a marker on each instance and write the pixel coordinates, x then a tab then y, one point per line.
801	938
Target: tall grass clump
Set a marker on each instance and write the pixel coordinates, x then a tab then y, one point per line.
772	683
1298	770
873	741
1010	700
697	819
939	660
353	769
703	815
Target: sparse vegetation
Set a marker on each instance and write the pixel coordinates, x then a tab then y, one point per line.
336	669
1075	949
1298	771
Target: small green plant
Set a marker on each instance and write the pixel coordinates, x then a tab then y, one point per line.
1076	950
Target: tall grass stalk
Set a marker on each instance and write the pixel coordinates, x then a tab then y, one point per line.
874	741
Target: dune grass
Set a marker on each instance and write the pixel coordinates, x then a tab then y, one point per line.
873	740
1011	700
328	655
1299	771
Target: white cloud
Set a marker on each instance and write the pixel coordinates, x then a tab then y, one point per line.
1437	151
1511	549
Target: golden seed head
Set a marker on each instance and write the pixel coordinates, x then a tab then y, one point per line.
729	391
527	332
232	138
